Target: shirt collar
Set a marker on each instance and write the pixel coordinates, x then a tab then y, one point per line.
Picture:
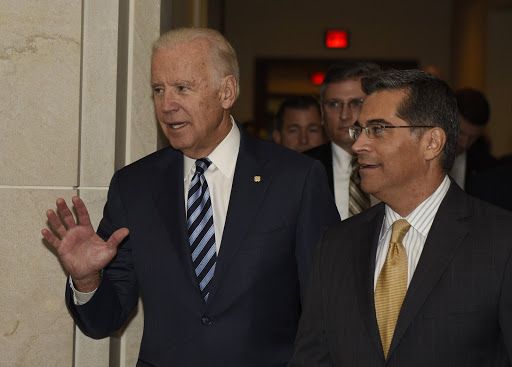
341	158
422	217
223	157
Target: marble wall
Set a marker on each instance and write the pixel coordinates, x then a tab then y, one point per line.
74	106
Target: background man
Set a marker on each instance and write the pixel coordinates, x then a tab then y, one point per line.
341	100
215	232
425	277
298	124
473	149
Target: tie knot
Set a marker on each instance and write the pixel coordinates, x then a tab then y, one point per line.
202	165
399	230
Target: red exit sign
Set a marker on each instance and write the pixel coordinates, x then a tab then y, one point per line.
336	38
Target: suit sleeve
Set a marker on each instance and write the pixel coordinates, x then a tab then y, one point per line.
317	212
117	295
310	344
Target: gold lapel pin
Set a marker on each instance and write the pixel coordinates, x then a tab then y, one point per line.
257	178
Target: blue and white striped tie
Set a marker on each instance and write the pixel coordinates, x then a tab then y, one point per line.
201	232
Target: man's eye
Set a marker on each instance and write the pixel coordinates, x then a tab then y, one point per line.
377	130
333	104
181	88
157	90
356	103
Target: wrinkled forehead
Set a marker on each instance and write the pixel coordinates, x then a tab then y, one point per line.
345	89
183	58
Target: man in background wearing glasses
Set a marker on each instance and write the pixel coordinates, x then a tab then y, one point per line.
423	278
341	99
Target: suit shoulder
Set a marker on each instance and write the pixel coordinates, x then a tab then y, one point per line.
320	151
354	224
155	161
279	155
490	212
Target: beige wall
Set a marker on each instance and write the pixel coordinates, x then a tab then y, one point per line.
62	92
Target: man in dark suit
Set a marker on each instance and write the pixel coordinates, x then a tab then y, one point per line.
215	232
473	148
341	98
425	277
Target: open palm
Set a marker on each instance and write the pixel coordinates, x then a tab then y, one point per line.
80	250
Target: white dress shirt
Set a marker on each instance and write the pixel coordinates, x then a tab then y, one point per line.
219	177
341	171
421	220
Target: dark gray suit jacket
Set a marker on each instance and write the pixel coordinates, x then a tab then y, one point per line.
457	310
265	256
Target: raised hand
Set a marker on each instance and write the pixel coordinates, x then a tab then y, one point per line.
80	250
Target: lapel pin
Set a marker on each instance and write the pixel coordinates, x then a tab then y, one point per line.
257	178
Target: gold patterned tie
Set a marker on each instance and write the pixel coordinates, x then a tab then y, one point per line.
358	200
392	285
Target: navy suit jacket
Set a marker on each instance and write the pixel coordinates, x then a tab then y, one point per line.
265	256
458	308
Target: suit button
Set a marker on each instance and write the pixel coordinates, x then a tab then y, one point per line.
205	320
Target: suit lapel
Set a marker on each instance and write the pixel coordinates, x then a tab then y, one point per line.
367	246
327	159
250	183
448	230
169	199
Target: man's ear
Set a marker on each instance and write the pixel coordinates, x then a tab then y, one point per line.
227	92
435	142
276	135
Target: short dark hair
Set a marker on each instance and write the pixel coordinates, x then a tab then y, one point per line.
429	101
297	103
346	71
473	106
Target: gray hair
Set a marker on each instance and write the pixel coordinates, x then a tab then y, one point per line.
223	56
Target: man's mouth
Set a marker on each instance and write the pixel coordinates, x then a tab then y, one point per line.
175	125
367	166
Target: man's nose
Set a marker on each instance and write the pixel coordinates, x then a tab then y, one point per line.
169	103
303	137
345	112
360	143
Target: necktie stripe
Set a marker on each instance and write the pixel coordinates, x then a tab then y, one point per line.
200	244
358	200
203	283
201	220
204	261
201	230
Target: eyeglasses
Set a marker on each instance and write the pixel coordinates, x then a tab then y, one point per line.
335	105
376	131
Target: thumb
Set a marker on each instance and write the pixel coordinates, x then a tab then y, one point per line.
117	237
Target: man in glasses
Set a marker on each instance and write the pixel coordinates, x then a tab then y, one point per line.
341	99
423	278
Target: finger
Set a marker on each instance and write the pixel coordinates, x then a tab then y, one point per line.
55	223
50	238
81	211
65	214
117	237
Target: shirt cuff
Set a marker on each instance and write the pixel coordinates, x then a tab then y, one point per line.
80	298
